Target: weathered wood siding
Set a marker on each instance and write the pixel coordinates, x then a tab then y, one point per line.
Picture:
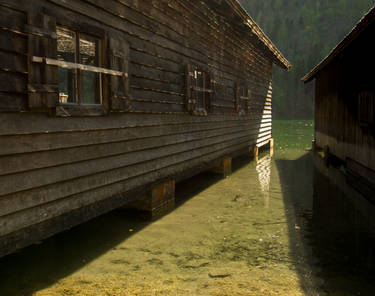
56	172
336	105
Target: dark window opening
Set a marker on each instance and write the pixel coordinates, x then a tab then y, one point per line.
366	108
78	86
243	100
202	90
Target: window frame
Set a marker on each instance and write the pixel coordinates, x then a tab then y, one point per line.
204	89
368	108
243	94
200	95
43	93
79	68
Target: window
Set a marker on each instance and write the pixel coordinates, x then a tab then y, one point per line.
78	85
202	90
66	73
242	99
199	91
366	108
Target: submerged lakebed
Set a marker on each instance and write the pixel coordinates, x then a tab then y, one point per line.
253	233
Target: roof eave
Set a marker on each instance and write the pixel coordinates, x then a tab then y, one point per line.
279	59
348	39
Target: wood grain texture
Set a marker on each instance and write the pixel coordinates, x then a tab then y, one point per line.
87	160
337	119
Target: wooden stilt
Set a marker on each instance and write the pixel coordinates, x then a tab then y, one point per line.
223	167
271	144
256	153
159	200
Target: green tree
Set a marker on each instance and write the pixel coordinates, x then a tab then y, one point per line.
305	31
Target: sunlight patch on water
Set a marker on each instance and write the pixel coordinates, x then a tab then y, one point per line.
292	137
231	238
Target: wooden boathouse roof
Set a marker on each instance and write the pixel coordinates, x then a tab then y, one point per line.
233	10
361	26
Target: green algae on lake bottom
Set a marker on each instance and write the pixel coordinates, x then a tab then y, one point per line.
249	234
292	136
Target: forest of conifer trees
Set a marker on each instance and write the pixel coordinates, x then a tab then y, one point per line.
305	31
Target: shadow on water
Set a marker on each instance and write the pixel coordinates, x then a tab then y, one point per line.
39	266
331	228
191	187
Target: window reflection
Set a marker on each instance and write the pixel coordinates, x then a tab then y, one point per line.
66	51
200	94
88	50
78	86
90	81
66	45
90	88
202	84
243	100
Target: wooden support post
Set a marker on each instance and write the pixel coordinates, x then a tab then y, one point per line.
223	167
227	167
159	200
271	143
256	153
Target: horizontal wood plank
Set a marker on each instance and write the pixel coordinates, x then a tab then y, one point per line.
116	183
10	102
31	161
27	180
52	141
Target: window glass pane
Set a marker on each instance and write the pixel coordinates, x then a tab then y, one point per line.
244	105
67	86
90	88
90	81
66	51
206	85
66	45
88	50
365	107
243	91
200	83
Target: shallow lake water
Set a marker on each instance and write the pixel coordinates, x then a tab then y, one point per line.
276	226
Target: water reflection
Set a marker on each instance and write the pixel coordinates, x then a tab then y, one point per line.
344	220
263	169
331	228
285	225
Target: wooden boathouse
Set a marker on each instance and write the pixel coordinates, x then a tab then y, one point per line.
103	101
344	101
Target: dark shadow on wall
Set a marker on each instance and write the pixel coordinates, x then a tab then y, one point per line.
39	266
331	228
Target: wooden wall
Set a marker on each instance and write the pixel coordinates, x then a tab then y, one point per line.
56	171
336	106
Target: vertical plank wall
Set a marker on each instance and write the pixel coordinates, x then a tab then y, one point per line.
337	89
